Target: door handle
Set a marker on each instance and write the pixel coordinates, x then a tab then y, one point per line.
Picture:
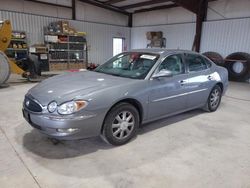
209	77
183	82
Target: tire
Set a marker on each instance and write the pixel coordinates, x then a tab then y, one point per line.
4	68
238	71
118	131
215	57
212	102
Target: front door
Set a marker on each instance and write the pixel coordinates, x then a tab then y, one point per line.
167	94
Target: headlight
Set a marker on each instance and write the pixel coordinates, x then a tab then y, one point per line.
71	107
52	106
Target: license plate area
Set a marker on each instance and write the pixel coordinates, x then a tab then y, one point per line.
26	116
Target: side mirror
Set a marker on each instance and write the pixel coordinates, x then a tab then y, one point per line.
163	73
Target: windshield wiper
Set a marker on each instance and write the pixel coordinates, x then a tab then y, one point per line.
114	74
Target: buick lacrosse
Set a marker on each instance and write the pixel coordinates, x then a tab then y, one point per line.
128	90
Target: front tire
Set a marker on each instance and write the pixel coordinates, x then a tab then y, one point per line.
121	124
214	99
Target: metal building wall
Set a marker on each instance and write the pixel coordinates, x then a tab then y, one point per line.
178	36
99	36
222	36
226	36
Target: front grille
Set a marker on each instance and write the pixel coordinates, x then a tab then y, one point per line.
32	105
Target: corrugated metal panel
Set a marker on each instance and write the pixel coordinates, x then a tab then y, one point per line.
99	36
178	36
33	25
100	39
226	36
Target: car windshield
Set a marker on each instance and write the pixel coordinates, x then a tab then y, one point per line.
133	65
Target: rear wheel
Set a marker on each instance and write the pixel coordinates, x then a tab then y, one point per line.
121	124
214	99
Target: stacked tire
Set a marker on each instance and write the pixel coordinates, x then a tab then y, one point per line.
215	57
4	68
238	66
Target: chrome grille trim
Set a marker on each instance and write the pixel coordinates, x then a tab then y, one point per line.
32	104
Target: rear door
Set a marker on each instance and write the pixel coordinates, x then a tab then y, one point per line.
167	94
199	81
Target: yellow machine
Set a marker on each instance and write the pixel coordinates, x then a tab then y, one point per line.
7	66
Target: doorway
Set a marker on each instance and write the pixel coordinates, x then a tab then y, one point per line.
118	45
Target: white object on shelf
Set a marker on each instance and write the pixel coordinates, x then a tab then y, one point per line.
32	50
43	56
51	38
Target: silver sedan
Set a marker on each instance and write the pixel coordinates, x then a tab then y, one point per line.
128	90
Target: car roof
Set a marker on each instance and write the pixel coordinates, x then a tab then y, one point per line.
162	51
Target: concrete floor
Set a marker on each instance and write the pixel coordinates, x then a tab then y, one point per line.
194	149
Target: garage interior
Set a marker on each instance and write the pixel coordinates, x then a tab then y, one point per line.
193	149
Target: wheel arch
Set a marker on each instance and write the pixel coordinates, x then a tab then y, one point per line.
131	101
220	84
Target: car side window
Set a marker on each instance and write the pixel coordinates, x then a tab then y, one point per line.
208	62
174	64
195	63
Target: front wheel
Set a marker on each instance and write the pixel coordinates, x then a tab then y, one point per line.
214	99
121	124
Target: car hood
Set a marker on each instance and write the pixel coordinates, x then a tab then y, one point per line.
69	86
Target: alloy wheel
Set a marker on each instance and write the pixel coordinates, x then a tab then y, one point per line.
123	125
215	98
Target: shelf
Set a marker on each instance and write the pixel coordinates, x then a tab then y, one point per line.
17	49
65	34
58	60
66	45
77	42
65	50
67	59
76	59
18	40
58	50
76	50
66	42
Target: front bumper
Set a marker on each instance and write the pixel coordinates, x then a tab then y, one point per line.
85	126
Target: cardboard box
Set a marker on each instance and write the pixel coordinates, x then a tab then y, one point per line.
154	35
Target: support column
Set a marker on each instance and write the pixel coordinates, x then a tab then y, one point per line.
130	20
200	18
73	4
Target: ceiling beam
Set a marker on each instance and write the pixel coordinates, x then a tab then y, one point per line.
110	2
145	3
156	8
191	5
51	4
108	7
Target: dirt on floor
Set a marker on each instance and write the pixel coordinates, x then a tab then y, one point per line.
193	149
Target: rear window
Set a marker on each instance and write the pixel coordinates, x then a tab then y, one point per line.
195	63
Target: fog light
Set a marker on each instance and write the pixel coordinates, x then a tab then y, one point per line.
69	130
